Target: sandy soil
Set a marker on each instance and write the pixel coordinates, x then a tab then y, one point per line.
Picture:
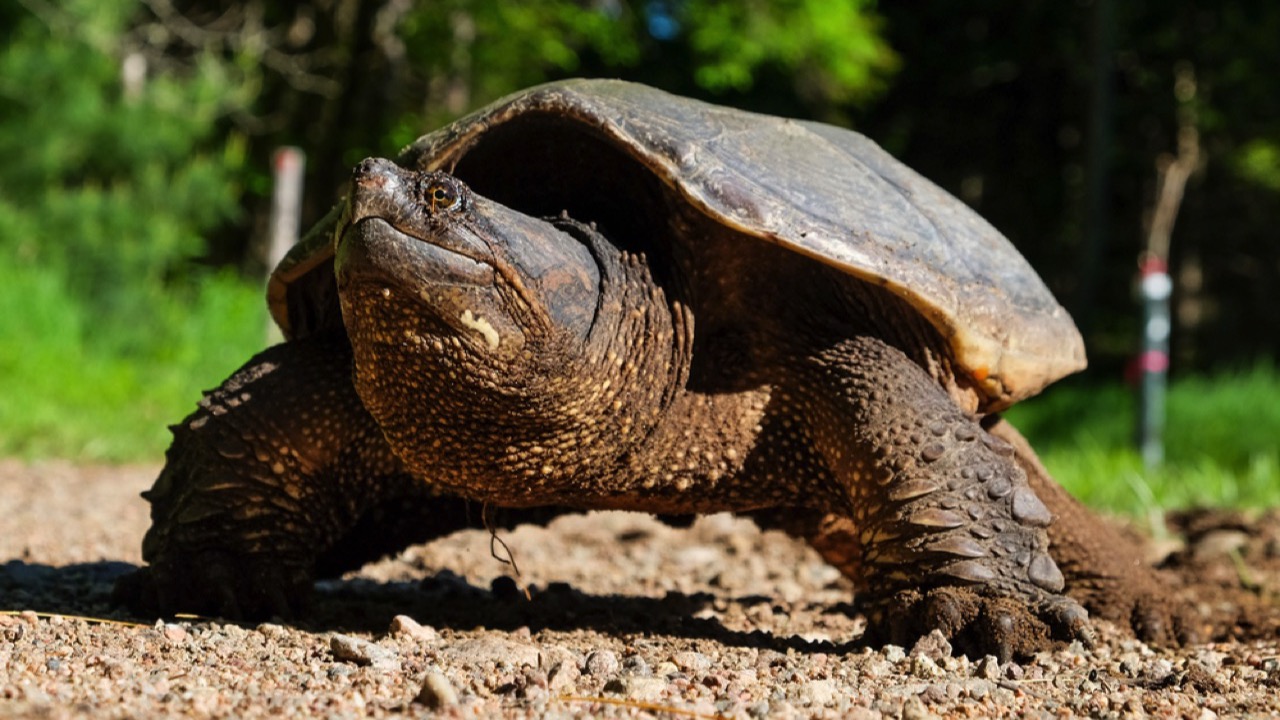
613	615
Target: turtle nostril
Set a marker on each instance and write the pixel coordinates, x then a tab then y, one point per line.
375	173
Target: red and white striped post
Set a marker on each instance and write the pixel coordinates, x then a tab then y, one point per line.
1155	288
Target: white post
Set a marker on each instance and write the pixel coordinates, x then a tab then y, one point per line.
287	164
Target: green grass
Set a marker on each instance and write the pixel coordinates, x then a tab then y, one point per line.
1222	442
78	385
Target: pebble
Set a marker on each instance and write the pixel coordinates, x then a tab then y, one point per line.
407	626
636	665
602	663
934	646
666	668
437	692
913	708
1157	671
175	633
923	666
690	661
893	653
1210	659
562	676
644	689
988	668
492	650
1130	664
272	630
363	652
818	692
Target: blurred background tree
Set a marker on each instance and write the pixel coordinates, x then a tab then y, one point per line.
137	136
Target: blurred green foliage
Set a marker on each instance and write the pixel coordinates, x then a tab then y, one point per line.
108	196
106	319
1259	161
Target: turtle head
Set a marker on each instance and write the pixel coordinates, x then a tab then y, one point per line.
423	261
482	337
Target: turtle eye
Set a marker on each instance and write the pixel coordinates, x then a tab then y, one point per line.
443	196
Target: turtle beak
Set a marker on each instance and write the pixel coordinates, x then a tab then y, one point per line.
387	236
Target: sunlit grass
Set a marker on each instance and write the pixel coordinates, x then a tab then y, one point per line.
1220	442
81	386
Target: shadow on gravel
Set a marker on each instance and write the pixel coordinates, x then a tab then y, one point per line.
80	589
445	600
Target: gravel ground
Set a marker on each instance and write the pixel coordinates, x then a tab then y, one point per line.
612	615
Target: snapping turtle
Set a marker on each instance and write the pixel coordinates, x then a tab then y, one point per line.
593	294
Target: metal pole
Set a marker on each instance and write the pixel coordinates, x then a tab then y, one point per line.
1155	287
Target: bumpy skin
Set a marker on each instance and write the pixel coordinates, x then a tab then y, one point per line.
505	361
280	477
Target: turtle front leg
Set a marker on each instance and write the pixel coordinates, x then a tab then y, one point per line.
1105	569
942	530
278	477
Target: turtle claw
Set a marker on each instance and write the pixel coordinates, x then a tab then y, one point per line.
1068	619
977	622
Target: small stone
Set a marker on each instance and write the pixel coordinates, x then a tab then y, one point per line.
690	661
562	676
602	663
1158	671
1130	664
437	692
643	689
818	692
274	631
495	650
988	668
175	633
407	626
924	667
893	653
363	652
636	666
913	708
934	646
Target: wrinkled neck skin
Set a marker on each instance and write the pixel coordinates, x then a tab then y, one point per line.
552	423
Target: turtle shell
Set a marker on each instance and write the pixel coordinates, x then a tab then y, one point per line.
826	192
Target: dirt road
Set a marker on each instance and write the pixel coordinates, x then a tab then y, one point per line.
613	615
